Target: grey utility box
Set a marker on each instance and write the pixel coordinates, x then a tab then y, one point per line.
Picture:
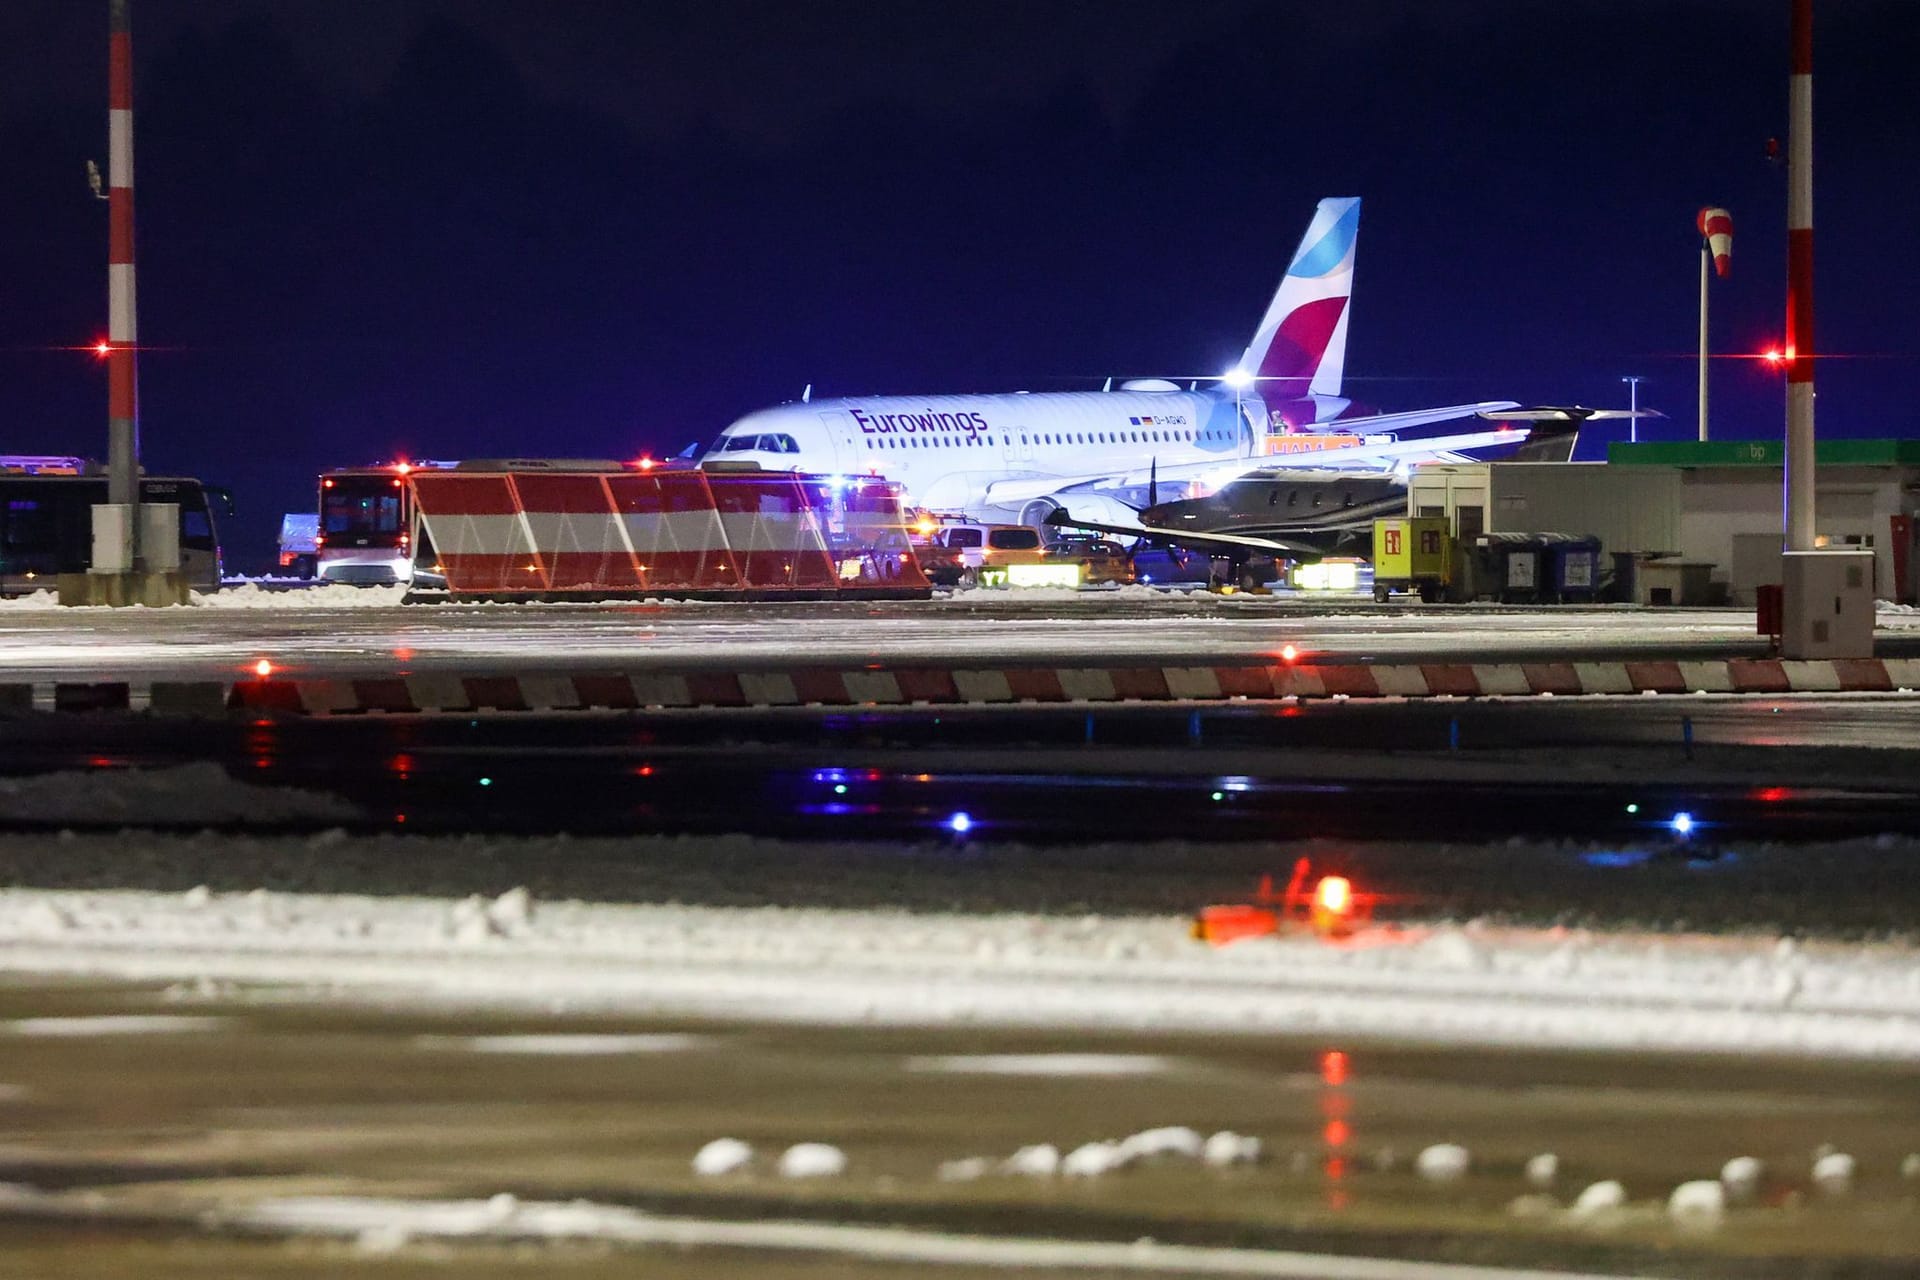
160	536
112	538
1827	604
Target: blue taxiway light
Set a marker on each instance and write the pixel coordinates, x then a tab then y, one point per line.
960	823
1681	824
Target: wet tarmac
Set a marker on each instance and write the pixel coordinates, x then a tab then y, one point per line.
149	1140
977	628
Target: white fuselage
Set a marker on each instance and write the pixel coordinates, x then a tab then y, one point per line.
947	451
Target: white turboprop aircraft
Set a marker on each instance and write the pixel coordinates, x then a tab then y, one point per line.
1016	457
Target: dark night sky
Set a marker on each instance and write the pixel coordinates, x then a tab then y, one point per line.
482	227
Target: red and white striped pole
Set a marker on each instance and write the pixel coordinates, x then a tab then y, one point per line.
123	412
1799	343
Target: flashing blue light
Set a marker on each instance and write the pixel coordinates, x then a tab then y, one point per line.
1236	784
838	483
829	775
960	823
1237	378
1681	824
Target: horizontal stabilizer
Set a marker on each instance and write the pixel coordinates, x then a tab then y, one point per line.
1565	413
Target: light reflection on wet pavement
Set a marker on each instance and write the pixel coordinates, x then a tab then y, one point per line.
302	1099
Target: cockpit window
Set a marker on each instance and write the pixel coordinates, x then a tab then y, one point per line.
770	443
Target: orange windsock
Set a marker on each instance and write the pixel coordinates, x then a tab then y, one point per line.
1716	226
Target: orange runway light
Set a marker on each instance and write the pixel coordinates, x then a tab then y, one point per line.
1332	912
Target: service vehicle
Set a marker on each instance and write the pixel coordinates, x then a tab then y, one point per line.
942	565
1171	566
46	521
1101	562
299	545
981	545
1412	555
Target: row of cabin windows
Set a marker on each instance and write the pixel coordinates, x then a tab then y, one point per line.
1293	498
1054	438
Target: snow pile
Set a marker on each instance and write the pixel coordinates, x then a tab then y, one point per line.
330	595
721	1157
1543	1170
32	602
475	920
1601	1197
183	794
812	1160
968	1170
1698	1205
1170	1140
1228	1148
1091	1159
1741	1177
1833	1173
1098	1158
1041	1160
1443	1162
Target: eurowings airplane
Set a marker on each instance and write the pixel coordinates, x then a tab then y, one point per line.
1016	457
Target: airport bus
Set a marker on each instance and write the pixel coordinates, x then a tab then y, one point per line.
46	521
366	522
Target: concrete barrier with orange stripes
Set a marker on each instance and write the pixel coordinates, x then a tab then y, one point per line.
803	686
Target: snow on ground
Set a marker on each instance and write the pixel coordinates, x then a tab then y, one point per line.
331	595
183	794
1455	984
128	1024
1044	1064
569	1045
380	1226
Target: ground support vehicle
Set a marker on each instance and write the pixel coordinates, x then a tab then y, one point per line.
1412	555
989	551
299	548
1101	562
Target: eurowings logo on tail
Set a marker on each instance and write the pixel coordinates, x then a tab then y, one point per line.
1301	345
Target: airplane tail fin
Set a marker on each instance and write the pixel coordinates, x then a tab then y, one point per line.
1302	341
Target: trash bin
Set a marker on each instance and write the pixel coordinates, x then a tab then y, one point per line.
1576	570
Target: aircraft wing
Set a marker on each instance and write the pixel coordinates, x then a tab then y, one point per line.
1380	456
1061	518
1420	417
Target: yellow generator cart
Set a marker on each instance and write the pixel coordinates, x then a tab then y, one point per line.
1412	554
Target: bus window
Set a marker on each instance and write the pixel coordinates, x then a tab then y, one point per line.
360	506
